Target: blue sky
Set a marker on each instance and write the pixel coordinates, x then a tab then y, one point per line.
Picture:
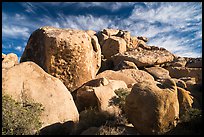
176	26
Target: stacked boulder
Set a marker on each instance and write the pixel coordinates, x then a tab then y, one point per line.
73	56
74	69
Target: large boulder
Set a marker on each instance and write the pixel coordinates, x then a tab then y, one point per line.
27	82
179	72
143	57
71	55
151	108
9	60
194	62
138	75
185	100
99	92
116	75
112	46
158	72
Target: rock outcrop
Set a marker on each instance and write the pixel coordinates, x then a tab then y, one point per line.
99	92
9	60
61	67
144	57
151	108
70	55
27	82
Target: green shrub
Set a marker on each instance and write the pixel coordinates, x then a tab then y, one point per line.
121	93
19	118
192	113
91	117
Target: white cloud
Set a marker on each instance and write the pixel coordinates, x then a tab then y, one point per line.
19	48
176	46
158	21
15	31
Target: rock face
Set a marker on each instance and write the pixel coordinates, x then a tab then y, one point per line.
179	72
112	46
194	63
27	82
185	100
73	56
158	72
144	57
151	108
92	65
9	60
116	75
99	92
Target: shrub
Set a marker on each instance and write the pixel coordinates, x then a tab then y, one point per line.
91	117
121	93
190	114
20	118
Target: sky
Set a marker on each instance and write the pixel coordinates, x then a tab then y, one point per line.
176	26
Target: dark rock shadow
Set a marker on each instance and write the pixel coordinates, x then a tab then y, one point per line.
58	129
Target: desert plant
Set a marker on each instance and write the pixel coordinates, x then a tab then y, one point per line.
121	93
20	118
91	117
190	114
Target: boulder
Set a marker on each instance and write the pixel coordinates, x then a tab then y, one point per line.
151	108
9	60
3	56
125	65
194	63
101	37
91	32
133	43
112	46
68	54
143	45
179	72
145	39
116	75
180	83
110	32
144	57
27	82
99	92
185	100
158	72
138	75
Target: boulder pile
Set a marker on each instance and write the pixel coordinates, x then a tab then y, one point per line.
69	70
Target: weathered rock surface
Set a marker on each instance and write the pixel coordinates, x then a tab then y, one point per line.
185	100
144	57
27	82
9	60
70	55
179	72
112	46
125	65
116	75
99	92
151	108
158	72
138	75
194	63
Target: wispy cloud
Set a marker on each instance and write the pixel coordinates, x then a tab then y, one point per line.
15	32
174	26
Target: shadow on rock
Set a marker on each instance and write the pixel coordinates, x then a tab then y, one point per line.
58	129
